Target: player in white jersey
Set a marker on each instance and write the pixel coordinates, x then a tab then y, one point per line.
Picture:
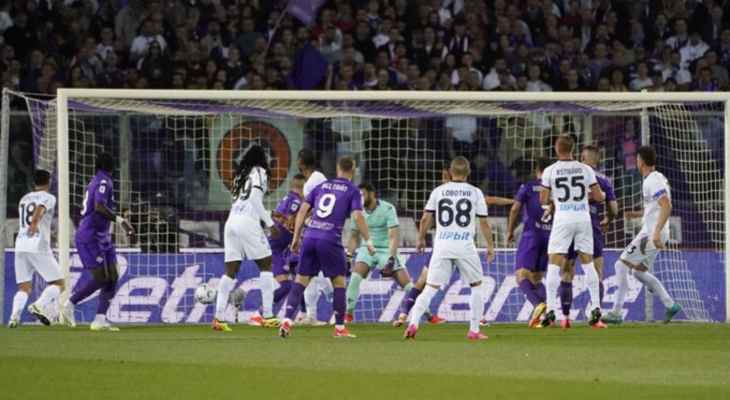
318	284
640	255
33	252
245	239
568	184
456	205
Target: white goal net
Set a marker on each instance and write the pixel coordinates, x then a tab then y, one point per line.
175	159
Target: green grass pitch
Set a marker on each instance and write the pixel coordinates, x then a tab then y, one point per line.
678	361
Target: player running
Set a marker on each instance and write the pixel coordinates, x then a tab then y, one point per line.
457	205
639	256
281	258
590	156
332	202
318	284
95	247
33	252
244	238
531	258
382	221
567	185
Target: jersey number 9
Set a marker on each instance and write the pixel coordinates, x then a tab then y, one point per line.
325	205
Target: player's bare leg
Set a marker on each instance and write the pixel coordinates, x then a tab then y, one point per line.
360	272
50	294
296	297
225	285
410	299
339	304
592	281
19	301
284	281
266	285
598	264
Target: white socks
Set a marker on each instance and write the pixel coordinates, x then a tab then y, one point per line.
622	277
654	286
49	295
225	285
311	298
593	284
19	304
476	304
100	319
422	303
266	284
552	281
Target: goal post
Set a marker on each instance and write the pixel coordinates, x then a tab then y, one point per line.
401	141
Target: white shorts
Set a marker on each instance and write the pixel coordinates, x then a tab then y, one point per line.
43	263
641	250
563	235
244	239
440	269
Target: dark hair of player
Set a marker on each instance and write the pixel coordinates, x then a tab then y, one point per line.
299	177
104	162
367	186
41	177
346	163
565	144
254	157
648	155
542	163
591	148
307	158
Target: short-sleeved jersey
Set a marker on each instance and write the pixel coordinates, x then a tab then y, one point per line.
313	181
332	203
456	207
598	208
569	183
93	225
379	220
288	206
41	241
243	206
532	212
655	186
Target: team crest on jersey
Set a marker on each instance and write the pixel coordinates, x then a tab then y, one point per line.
240	138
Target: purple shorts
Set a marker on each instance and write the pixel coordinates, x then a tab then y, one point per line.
532	251
283	263
322	255
598	245
96	255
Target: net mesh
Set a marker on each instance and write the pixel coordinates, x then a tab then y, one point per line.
176	163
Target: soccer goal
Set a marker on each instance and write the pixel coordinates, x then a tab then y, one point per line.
176	152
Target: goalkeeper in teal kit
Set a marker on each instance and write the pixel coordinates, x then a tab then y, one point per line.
382	221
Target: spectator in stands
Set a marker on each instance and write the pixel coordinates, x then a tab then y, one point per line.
149	33
642	80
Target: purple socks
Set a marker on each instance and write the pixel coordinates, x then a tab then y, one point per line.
296	295
339	303
531	292
409	301
566	296
88	288
282	291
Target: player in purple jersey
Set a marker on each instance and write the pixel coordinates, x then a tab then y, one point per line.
283	261
332	202
95	247
601	215
531	258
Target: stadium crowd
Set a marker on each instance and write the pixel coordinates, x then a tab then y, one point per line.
530	45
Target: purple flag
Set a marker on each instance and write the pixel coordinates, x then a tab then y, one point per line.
309	70
305	10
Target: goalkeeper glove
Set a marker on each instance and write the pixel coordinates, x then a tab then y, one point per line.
389	267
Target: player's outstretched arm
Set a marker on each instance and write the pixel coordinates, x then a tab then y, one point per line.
362	227
102	209
499	201
393	241
487	232
298	224
665	210
611	213
36	219
423	227
514	214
